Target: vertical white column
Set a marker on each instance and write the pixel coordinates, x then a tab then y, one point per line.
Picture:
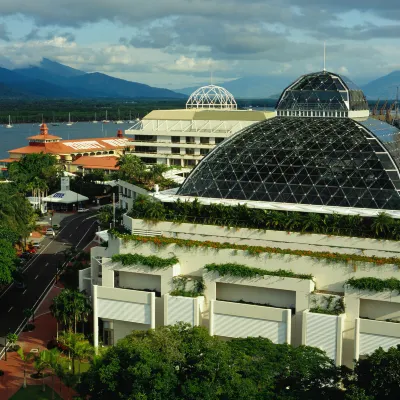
304	328
95	319
211	317
357	339
166	297
153	310
339	340
196	311
288	318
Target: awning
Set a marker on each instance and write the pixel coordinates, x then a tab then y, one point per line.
65	197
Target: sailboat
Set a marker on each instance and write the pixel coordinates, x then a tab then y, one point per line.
9	122
119	119
131	121
106	121
69	123
54	123
95	119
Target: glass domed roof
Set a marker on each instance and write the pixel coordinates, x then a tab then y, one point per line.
212	97
315	161
323	91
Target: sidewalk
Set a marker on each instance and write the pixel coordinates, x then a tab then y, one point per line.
45	330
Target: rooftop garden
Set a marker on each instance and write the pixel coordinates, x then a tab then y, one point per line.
240	216
328	257
153	262
374	284
133	170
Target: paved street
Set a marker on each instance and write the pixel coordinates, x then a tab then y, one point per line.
76	230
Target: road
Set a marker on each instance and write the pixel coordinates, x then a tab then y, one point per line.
77	230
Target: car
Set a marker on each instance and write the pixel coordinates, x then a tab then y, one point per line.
50	232
36	246
20	285
82	210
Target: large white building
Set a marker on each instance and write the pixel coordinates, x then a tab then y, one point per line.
279	285
184	137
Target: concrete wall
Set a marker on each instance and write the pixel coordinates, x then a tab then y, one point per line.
380	310
123	328
133	280
272	297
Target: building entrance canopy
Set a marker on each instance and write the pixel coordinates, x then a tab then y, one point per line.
65	197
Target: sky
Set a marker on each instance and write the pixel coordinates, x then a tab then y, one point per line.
180	43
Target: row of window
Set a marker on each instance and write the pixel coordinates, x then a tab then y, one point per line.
289	113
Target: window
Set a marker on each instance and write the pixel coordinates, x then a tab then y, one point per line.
175	139
175	150
190	151
219	140
204	140
204	152
190	139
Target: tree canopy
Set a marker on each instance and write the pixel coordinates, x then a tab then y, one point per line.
180	362
7	261
36	171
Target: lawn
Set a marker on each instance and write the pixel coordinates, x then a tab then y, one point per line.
34	393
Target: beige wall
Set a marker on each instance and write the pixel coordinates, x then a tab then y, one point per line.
122	329
380	310
272	297
137	281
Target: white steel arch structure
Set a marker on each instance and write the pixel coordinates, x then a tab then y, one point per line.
212	97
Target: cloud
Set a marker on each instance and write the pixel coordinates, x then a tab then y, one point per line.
4	34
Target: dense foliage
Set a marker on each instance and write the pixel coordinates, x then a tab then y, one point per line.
381	227
258	250
133	170
106	215
378	374
153	262
374	284
243	271
7	261
17	216
179	362
329	305
36	171
70	307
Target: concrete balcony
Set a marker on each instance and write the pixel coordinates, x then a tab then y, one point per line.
124	305
372	334
234	320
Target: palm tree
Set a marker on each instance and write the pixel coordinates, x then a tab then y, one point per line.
40	364
53	364
76	344
25	357
381	224
83	351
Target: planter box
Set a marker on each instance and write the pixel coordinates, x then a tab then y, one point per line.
325	332
182	309
236	320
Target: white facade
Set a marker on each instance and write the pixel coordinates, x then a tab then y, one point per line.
184	137
269	306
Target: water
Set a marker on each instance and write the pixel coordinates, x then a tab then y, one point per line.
16	137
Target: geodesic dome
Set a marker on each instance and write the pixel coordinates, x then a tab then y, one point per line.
214	97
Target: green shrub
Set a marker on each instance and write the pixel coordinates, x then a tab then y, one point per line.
374	284
243	271
152	262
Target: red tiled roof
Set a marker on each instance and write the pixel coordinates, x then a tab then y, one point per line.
90	145
97	162
44	137
9	160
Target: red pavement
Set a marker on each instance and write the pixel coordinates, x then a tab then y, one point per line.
45	330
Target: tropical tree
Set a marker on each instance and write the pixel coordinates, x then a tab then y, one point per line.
131	168
70	307
29	313
78	347
12	339
8	259
382	224
54	365
41	362
25	357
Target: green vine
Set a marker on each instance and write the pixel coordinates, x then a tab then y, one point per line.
152	262
243	271
257	250
333	306
180	286
374	284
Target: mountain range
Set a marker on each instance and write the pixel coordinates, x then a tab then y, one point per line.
54	80
51	79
